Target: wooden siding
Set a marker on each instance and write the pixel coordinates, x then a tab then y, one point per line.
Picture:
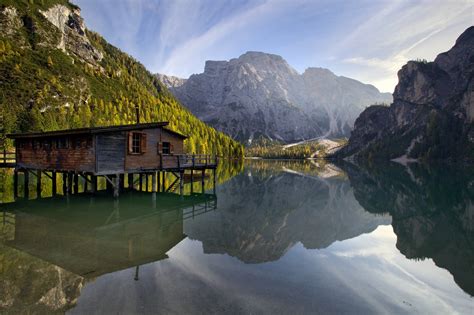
151	158
111	152
80	159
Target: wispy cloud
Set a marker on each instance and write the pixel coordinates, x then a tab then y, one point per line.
367	40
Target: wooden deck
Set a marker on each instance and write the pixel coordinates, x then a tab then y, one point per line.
7	159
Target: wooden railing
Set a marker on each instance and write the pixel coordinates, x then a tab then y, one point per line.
7	158
188	161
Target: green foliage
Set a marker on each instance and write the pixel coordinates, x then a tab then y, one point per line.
43	88
268	149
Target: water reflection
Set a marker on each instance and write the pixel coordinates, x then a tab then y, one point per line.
61	243
284	237
273	206
432	210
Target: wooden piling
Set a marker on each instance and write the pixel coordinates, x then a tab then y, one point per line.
181	182
140	181
53	183
76	183
94	184
153	182
203	175
69	183
15	183
130	181
64	183
117	186
27	183
38	184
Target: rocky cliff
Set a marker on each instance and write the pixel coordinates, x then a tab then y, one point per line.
261	95
432	114
432	210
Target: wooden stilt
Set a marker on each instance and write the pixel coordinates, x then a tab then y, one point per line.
86	183
192	181
214	180
38	184
164	181
203	175
27	184
15	184
64	183
153	182
146	182
76	183
117	186
69	182
53	183
94	184
130	181
122	182
159	181
181	183
140	181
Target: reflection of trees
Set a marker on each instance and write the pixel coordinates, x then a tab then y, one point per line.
271	207
432	210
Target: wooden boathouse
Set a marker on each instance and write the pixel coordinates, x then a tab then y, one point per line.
148	149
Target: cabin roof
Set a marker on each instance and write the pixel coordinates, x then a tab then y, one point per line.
95	130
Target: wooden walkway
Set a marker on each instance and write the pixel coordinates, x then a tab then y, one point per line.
7	159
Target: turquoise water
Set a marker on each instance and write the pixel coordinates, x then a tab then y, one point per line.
277	238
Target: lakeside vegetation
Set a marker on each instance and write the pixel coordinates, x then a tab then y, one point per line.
44	88
271	149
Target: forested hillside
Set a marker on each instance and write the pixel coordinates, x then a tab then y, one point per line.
56	74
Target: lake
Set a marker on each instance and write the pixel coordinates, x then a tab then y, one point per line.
277	237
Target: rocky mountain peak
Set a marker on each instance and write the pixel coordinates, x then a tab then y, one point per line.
432	113
261	95
73	33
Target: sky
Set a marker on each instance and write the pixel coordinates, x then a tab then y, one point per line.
365	40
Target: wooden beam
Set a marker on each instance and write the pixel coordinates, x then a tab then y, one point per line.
53	183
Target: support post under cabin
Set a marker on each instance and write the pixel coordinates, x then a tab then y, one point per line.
76	183
38	184
140	181
192	179
15	183
181	182
69	183
53	183
130	181
27	183
116	186
122	182
94	184
203	175
153	182
64	183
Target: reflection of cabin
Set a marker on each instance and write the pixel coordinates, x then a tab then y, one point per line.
95	238
108	151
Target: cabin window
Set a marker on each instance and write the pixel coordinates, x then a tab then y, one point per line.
166	148
62	143
36	144
137	143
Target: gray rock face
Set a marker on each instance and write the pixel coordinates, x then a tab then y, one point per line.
260	95
432	114
73	33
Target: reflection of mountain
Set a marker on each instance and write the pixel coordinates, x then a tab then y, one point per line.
432	211
57	243
264	212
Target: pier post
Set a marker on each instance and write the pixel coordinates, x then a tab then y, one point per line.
53	183
203	175
69	183
214	180
153	182
130	181
146	183
140	182
86	183
94	184
164	181
122	182
38	184
181	182
64	183
76	183
159	181
192	180
15	183
117	186
27	184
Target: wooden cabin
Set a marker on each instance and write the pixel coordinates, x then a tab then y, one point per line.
104	150
111	152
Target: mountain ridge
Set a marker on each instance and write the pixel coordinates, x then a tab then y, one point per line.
260	95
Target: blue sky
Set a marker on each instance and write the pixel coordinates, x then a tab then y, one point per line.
366	40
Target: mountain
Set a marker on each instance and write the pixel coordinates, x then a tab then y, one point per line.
432	116
266	211
431	208
56	74
261	95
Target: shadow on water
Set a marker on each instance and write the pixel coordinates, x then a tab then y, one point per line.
432	210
